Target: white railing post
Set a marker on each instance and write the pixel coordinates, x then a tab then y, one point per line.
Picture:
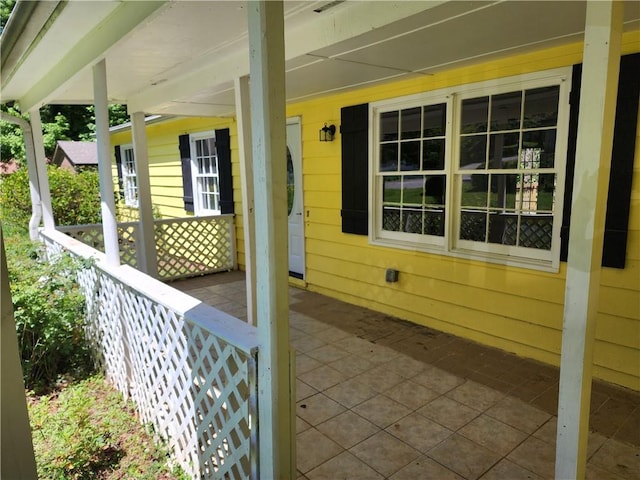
41	167
266	62
603	34
108	204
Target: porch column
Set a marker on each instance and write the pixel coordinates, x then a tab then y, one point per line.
266	52
109	225
16	448
41	169
593	161
146	243
243	116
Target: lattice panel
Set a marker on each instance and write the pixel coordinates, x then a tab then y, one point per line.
194	246
92	235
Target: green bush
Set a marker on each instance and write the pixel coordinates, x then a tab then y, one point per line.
49	313
75	197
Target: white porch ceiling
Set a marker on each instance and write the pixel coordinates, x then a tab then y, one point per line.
181	57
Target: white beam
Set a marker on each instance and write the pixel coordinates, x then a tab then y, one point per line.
109	225
243	117
600	69
16	449
266	52
88	50
147	239
41	167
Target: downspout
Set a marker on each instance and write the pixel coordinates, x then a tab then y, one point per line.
36	202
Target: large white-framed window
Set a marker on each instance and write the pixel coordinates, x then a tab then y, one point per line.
475	171
204	173
129	176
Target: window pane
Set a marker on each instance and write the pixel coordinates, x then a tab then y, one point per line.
473	226
391	189
546	192
503	228
474	190
410	155
505	111
412	220
541	107
528	192
410	123
412	189
433	154
542	141
391	219
474	115
434	189
503	150
198	148
434	118
388	126
473	151
535	231
503	191
434	222
389	157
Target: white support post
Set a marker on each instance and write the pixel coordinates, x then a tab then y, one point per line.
109	225
41	169
147	240
16	448
593	161
268	128
243	116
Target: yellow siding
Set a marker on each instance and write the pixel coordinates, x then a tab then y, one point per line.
515	309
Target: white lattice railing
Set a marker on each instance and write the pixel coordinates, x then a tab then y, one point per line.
190	368
185	246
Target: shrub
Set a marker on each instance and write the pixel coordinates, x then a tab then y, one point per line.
75	197
49	314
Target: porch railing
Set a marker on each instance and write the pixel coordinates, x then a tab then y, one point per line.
185	246
189	368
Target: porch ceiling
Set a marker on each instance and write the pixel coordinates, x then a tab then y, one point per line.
181	57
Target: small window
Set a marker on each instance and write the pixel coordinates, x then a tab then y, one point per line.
204	167
129	176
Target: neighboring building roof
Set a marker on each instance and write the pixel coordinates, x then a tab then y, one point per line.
8	167
78	153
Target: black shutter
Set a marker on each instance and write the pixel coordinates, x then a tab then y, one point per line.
354	129
223	149
185	160
622	158
118	155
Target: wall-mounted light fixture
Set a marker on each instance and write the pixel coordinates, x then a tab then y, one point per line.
327	133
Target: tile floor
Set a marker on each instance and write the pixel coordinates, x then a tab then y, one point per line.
381	398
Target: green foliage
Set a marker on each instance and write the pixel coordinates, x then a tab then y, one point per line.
75	197
49	314
5	10
88	431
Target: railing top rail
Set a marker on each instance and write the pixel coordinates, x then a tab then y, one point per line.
232	330
71	228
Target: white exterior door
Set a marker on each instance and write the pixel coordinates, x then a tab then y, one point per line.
295	204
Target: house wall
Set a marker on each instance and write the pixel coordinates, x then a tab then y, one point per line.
515	309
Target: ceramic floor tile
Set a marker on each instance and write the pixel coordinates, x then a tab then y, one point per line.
381	410
304	343
493	434
385	453
348	429
305	363
351	365
518	414
405	366
437	380
506	470
475	395
618	458
380	379
303	390
322	377
597	473
419	432
464	457
318	408
448	412
331	334
327	353
411	394
377	353
313	448
345	466
425	468
350	392
535	455
301	425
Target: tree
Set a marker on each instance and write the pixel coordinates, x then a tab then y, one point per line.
6	6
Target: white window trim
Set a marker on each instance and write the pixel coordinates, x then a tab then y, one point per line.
449	245
130	194
198	208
